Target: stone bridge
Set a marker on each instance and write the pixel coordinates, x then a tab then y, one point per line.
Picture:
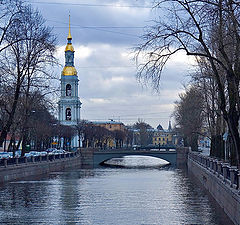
94	157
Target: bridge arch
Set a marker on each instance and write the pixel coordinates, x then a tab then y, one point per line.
91	156
102	156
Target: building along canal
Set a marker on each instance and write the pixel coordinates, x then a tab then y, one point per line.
111	195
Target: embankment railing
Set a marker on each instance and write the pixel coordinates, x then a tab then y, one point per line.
34	159
229	174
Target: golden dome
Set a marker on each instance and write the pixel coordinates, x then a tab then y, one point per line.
69	47
69	71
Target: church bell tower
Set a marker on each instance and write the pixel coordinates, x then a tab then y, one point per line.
69	103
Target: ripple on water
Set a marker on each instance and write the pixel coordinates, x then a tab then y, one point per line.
106	195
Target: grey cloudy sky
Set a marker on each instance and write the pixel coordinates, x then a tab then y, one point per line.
104	33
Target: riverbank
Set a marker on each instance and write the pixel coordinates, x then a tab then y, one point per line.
17	169
221	180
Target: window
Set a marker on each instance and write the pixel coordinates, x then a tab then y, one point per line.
68	90
68	114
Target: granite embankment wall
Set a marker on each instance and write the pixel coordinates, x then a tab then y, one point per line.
182	156
87	157
221	180
16	169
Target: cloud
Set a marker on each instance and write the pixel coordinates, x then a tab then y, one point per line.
108	88
92	24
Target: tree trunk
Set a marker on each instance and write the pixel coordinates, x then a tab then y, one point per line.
8	125
24	142
10	144
233	128
217	146
194	142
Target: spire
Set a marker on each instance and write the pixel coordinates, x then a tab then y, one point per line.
69	69
69	46
69	31
169	126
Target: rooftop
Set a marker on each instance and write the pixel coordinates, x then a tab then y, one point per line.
106	122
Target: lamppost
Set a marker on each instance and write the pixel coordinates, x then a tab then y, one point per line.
225	136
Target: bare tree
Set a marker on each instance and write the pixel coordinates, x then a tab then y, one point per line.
101	136
188	116
214	122
80	127
119	136
129	136
207	29
145	136
40	125
9	13
25	62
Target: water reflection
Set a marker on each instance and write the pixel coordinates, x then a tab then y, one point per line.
136	162
110	196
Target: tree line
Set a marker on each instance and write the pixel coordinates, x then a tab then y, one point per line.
207	31
94	135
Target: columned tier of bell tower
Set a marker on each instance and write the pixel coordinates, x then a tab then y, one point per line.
69	103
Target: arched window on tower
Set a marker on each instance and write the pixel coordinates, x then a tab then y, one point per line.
68	90
68	114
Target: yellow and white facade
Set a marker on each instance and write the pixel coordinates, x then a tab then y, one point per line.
162	138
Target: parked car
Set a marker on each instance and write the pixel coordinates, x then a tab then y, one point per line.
155	149
57	151
4	155
27	155
43	153
34	153
50	150
136	147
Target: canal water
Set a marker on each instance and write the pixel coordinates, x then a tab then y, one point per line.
111	196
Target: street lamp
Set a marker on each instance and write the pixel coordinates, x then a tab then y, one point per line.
225	136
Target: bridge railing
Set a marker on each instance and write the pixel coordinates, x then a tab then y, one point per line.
36	159
134	150
229	174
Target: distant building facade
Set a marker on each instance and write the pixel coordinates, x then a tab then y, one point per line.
110	125
163	137
112	141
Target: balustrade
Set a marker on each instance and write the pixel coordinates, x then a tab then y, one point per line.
233	176
35	159
229	174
